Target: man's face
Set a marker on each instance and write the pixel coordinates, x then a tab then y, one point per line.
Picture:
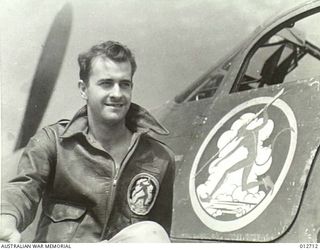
109	90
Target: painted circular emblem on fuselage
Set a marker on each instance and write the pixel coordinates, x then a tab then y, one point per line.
142	193
242	163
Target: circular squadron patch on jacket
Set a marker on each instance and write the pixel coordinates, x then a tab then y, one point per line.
142	193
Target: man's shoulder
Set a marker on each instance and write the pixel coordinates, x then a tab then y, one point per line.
158	145
61	123
57	127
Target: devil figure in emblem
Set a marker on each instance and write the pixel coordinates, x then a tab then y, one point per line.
142	193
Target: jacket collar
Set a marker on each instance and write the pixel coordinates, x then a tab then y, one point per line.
138	120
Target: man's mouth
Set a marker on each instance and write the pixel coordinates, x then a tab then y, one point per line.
115	105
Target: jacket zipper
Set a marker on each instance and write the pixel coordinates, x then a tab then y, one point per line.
114	184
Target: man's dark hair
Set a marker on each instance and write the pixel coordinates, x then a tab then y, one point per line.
110	49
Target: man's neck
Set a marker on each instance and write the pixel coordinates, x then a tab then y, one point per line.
109	135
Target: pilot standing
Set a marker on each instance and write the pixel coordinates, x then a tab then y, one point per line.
85	169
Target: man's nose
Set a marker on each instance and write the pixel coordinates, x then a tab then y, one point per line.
116	91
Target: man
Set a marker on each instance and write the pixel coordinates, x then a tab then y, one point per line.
88	170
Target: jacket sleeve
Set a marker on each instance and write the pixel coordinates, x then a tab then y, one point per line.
21	195
162	213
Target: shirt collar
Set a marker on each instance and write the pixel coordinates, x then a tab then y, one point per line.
138	119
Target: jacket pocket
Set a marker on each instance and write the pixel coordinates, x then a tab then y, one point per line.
61	223
59	212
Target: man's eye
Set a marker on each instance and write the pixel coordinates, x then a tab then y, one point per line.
126	84
106	83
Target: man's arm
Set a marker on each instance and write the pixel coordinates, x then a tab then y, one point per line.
21	196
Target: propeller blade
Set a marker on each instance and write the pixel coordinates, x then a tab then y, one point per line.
46	74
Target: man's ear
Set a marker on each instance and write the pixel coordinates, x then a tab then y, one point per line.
83	89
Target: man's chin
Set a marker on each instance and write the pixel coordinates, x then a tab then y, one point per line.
113	119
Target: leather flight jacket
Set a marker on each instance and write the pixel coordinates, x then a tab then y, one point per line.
84	197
